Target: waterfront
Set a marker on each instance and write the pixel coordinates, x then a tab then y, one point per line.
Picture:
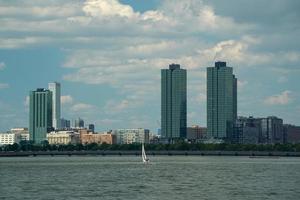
167	177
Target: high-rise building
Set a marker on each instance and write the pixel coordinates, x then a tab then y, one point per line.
221	101
91	127
40	114
271	130
79	123
55	89
173	103
65	124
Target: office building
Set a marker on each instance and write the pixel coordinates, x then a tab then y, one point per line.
40	114
271	130
173	103
55	89
79	123
247	130
65	124
221	101
130	136
91	127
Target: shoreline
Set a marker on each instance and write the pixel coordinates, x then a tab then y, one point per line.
151	153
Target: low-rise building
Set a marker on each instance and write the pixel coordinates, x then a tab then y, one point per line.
195	133
22	132
130	136
88	137
9	138
63	137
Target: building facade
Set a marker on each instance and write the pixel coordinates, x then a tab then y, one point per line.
87	137
56	105
40	114
173	103
271	130
221	101
130	136
63	137
79	123
9	138
291	134
22	132
196	133
247	130
65	124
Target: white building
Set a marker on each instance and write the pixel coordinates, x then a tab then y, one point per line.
15	135
63	137
22	133
129	136
9	138
55	89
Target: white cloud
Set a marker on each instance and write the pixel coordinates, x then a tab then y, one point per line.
2	65
280	99
4	86
67	99
81	107
241	84
108	8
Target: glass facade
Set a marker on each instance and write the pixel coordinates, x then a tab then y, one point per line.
40	114
221	101
55	89
173	102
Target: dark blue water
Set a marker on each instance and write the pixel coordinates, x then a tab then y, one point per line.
173	177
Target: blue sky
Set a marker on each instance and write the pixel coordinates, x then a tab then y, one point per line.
107	55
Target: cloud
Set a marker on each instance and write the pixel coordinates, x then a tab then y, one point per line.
67	99
26	101
108	8
81	107
4	86
280	99
241	84
2	65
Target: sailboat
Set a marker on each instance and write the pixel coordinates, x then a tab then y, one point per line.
144	156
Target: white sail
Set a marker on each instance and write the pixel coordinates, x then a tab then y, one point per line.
144	156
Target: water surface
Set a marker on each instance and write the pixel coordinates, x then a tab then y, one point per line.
166	177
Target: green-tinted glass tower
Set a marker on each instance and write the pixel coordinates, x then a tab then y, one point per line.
221	101
173	103
40	114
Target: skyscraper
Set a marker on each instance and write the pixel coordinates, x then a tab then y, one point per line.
40	114
55	89
173	103
221	101
79	123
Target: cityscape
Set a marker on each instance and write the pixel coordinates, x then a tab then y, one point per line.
223	124
149	99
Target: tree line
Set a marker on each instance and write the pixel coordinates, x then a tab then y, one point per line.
180	146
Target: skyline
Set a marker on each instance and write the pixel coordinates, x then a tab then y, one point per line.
107	78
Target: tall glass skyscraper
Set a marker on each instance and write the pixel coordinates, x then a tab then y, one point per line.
40	114
173	103
55	89
221	101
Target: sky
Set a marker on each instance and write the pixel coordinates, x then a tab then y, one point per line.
107	55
